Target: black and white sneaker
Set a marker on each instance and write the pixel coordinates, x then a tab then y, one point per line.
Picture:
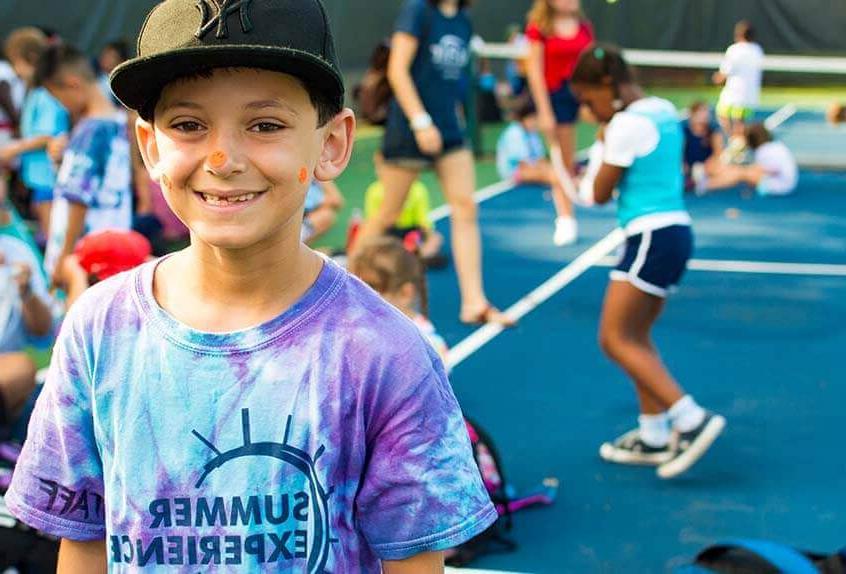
688	447
630	449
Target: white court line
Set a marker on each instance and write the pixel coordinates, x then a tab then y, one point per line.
760	267
780	116
473	571
542	293
483	194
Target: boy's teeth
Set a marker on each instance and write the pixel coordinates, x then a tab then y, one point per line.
213	199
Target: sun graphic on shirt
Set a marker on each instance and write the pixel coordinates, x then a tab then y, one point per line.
301	461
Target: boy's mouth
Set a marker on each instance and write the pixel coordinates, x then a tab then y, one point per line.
222	200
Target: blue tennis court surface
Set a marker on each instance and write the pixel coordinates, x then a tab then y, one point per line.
756	333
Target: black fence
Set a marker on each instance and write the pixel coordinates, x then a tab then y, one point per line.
785	26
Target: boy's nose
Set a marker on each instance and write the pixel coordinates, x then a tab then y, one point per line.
222	163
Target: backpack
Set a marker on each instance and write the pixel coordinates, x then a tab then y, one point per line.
373	94
746	556
495	539
22	549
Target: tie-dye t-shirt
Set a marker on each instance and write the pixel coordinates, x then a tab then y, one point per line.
324	440
96	172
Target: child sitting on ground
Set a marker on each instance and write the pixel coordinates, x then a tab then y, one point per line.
773	170
521	157
322	202
703	144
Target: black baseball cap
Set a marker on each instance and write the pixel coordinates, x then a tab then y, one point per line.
182	37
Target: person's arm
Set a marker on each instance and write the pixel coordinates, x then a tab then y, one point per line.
538	89
16	148
606	182
82	557
36	314
403	50
73	231
716	144
426	563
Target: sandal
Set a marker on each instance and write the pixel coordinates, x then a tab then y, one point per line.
490	314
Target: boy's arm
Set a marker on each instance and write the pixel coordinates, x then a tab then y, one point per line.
73	231
82	557
20	147
426	563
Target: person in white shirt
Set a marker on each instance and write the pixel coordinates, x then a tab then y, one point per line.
740	72
773	170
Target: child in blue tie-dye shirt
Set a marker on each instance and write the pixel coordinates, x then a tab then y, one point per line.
244	405
94	185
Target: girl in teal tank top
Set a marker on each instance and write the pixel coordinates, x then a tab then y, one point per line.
642	159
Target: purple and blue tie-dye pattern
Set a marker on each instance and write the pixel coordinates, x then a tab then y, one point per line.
324	440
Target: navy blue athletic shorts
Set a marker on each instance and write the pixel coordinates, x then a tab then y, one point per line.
655	261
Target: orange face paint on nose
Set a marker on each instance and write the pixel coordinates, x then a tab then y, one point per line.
303	175
217	159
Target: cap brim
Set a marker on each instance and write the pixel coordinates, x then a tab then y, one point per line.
138	83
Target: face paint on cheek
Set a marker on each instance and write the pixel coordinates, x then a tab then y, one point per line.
303	175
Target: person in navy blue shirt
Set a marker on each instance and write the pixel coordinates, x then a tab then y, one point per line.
703	145
428	71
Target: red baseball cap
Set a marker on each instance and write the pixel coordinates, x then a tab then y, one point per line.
107	253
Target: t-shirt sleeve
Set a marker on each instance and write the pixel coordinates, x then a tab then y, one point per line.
57	486
82	170
629	136
411	18
729	61
533	33
422	491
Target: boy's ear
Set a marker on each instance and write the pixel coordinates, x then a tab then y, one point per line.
146	137
338	136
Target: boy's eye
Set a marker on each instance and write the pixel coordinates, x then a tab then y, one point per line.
188	126
266	127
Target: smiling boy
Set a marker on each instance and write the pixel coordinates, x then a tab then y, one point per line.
244	405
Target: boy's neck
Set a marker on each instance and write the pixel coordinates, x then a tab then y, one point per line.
630	93
216	290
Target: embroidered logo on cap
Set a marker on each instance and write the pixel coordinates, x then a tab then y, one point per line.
216	12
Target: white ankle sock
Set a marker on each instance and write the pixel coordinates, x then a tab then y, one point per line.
654	429
686	415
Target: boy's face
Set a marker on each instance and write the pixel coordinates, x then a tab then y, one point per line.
23	69
234	154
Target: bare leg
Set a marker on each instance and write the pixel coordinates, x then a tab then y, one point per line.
397	181
625	336
566	135
17	381
322	219
458	179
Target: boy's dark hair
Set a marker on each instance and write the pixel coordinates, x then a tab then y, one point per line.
63	57
120	47
757	135
601	61
326	107
745	30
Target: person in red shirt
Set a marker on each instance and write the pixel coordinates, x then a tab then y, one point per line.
558	32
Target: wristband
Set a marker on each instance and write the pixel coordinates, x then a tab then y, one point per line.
421	121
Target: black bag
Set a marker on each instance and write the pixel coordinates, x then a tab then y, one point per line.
26	550
763	557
